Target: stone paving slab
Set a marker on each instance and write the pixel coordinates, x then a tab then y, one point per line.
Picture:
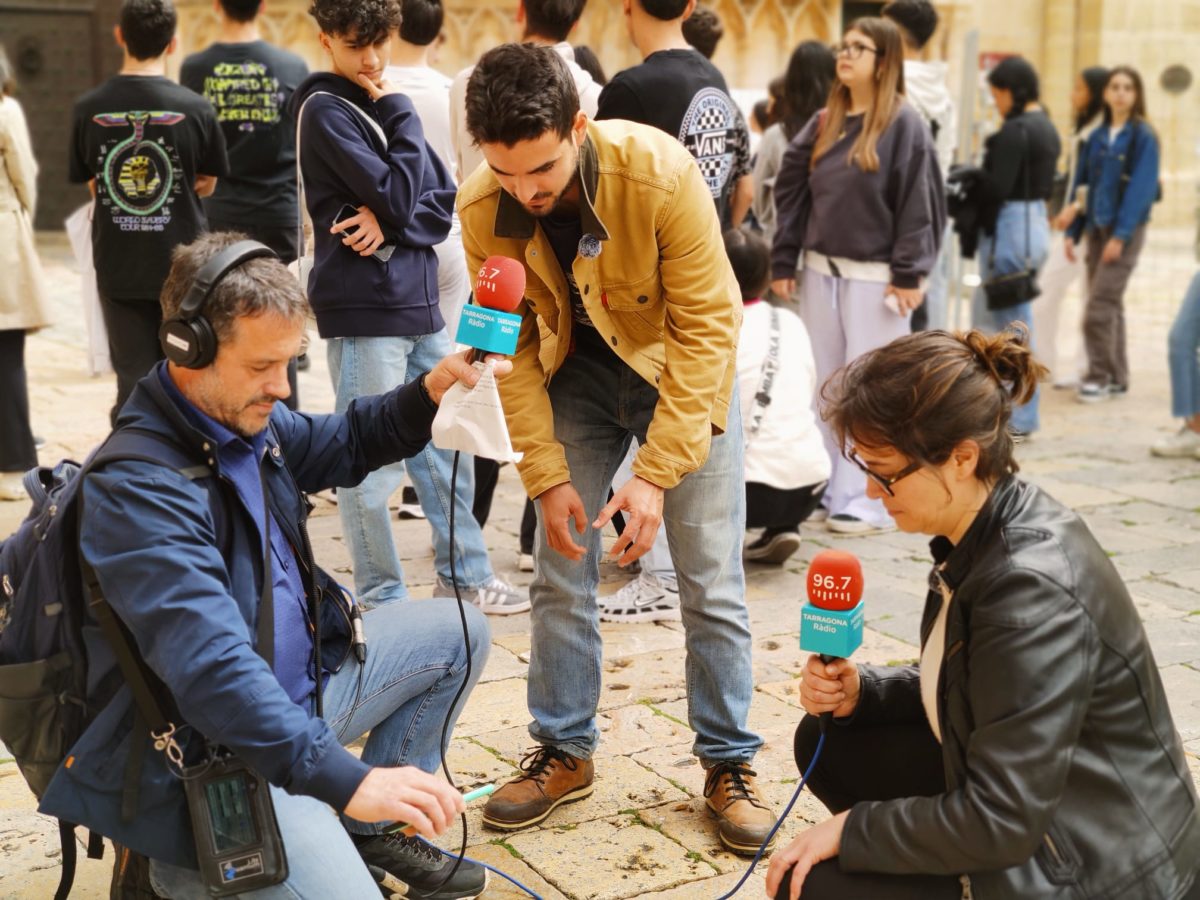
625	858
507	860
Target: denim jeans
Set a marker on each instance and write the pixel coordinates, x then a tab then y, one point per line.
1183	354
401	695
600	405
1010	245
361	367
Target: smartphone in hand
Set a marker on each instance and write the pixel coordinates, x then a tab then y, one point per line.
382	253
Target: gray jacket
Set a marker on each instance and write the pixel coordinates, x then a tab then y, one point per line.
1065	775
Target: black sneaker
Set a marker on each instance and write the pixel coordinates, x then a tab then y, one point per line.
776	548
410	506
409	867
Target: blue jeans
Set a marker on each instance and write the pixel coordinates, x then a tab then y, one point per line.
362	367
1183	354
415	665
1010	245
600	405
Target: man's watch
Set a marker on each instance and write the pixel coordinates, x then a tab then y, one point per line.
425	395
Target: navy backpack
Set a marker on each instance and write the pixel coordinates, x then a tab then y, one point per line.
44	702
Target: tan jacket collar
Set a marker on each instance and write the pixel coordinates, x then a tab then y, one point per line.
514	221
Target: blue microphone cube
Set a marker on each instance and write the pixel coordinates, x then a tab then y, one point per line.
831	632
489	329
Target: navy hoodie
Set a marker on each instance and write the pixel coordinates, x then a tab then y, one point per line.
344	161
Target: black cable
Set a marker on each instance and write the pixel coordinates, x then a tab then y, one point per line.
462	613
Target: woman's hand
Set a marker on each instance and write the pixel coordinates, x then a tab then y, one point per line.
830	687
907	299
819	843
1112	251
783	288
1066	216
1069	249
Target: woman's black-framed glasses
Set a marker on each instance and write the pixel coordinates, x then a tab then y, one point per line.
854	50
885	482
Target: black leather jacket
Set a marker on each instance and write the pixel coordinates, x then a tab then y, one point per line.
1065	776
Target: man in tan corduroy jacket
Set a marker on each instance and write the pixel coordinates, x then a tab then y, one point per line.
629	331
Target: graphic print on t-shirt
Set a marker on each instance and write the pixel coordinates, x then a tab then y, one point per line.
709	131
245	93
140	177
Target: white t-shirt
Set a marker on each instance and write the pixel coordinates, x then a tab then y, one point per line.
788	451
429	91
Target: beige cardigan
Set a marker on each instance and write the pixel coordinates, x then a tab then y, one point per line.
24	304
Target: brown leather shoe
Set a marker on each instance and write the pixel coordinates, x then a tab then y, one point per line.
744	818
551	777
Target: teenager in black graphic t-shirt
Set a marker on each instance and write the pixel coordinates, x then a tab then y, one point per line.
679	91
149	149
249	83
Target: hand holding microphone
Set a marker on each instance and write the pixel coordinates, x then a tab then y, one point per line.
831	627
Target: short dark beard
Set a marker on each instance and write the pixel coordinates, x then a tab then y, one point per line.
558	209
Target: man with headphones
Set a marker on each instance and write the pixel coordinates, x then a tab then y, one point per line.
206	561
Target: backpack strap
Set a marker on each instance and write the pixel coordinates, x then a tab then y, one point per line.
151	699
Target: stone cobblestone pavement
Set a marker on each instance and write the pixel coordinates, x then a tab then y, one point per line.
645	833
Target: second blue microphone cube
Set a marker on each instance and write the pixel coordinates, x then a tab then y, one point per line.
831	632
489	329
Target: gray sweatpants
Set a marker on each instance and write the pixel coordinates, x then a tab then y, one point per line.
846	319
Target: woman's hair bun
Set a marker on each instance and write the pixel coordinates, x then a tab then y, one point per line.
1009	359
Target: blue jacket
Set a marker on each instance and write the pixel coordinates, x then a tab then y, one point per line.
1113	202
344	161
180	562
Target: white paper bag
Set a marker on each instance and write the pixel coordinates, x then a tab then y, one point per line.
471	419
79	233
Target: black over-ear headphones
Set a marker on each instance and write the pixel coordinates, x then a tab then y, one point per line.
188	339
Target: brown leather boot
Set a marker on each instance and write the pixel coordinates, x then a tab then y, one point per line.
743	816
551	776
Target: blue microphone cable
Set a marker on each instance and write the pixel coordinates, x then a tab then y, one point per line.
786	812
458	858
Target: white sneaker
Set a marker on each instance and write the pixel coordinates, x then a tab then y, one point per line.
524	562
1180	445
12	486
645	599
495	598
1091	392
410	506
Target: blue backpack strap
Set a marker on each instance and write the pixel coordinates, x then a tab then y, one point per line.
140	445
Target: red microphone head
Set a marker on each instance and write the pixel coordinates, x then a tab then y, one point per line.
835	580
501	283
